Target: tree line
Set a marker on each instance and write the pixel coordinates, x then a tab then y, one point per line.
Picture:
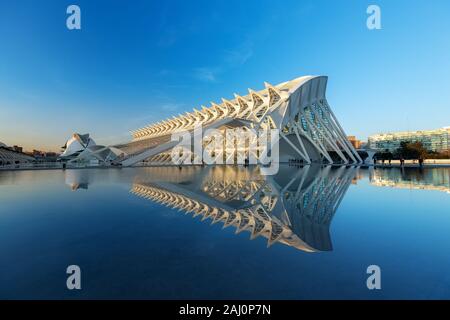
411	151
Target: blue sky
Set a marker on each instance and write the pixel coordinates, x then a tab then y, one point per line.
136	62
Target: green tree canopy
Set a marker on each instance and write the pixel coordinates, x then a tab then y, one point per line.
411	150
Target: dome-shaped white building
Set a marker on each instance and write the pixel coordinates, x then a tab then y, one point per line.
82	149
75	145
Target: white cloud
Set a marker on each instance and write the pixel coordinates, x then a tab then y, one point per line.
206	74
232	58
240	55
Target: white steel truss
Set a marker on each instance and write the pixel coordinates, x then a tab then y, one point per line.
297	108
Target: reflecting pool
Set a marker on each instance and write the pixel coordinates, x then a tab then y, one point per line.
225	232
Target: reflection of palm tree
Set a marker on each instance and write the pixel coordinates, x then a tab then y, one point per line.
295	211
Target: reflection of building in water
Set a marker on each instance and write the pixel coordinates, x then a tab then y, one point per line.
77	179
412	178
295	207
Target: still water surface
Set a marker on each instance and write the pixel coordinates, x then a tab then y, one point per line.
225	233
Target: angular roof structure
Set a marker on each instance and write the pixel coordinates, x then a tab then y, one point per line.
309	130
76	144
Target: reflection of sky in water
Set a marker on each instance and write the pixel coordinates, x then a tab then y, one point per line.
133	235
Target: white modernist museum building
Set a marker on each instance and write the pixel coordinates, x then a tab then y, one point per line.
82	148
298	109
309	130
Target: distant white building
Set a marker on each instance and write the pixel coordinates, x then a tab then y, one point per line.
433	140
82	148
76	145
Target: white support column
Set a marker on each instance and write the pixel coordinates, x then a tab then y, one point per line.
322	147
294	147
342	132
295	126
329	137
